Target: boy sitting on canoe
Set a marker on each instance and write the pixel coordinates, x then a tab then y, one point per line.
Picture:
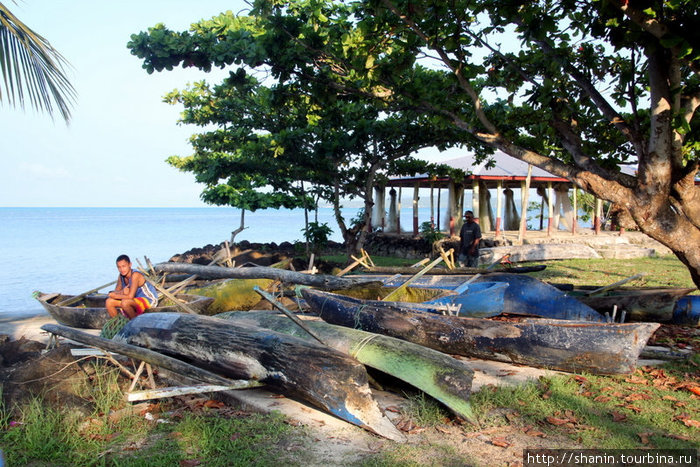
133	294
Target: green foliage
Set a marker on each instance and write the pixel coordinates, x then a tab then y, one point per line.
317	235
430	233
424	411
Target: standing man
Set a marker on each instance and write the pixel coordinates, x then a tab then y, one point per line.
469	238
133	294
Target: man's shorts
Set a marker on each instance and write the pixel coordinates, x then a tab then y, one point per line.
142	304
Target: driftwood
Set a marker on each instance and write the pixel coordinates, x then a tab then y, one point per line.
140	353
318	374
320	281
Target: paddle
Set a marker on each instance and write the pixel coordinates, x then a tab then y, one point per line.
614	285
414	277
77	298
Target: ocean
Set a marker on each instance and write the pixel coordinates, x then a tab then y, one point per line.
72	250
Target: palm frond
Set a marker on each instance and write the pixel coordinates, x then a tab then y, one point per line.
32	70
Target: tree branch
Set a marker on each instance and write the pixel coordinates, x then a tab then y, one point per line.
603	105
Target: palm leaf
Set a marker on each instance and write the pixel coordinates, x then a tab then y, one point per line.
32	70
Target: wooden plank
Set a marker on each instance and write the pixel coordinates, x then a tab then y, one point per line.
184	390
615	284
77	298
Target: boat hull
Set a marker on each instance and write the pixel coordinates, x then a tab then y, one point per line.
328	379
556	344
90	312
639	303
446	379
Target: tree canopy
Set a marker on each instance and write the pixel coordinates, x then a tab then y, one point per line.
577	88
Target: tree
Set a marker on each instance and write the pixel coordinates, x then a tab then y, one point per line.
588	86
32	69
594	85
289	143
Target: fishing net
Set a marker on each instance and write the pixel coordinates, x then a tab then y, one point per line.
113	326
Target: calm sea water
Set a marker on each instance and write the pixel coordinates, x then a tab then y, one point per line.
72	250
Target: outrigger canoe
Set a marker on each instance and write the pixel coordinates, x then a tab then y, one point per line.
320	375
445	378
90	312
655	304
604	348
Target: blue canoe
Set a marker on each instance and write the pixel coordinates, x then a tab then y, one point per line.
526	295
687	311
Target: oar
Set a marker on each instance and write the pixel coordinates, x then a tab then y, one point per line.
614	285
77	298
413	278
289	314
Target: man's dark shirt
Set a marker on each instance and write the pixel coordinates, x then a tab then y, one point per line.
469	232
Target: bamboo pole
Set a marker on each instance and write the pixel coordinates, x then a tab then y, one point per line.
525	193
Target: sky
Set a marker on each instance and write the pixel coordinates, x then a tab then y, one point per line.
114	149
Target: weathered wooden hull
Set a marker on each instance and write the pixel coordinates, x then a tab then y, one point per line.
526	295
456	271
231	294
318	374
556	344
639	303
438	375
90	312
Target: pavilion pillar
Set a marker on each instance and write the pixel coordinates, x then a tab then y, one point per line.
432	206
574	223
475	198
597	215
415	209
378	211
398	213
550	209
524	195
437	222
499	206
455	192
392	225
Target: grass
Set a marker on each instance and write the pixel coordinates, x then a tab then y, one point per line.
659	271
651	408
41	434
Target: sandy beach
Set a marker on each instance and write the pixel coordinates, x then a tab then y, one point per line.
27	325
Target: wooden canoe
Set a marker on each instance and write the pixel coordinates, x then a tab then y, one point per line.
639	303
604	348
455	271
90	312
318	374
446	379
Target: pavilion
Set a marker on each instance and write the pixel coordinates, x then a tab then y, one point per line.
504	176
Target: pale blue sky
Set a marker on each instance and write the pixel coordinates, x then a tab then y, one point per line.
113	152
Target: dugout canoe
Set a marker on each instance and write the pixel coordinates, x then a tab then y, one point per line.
655	304
444	378
318	374
455	271
90	312
574	346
